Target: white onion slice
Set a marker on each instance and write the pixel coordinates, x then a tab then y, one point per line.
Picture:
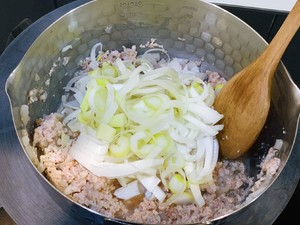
129	191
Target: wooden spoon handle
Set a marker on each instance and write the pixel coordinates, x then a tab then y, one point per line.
283	37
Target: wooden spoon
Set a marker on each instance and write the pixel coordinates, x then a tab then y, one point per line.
245	98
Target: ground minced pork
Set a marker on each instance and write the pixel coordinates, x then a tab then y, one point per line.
232	185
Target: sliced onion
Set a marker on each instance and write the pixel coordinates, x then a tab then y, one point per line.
94	64
116	170
129	191
137	103
195	189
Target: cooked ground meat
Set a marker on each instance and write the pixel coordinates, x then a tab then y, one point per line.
230	189
232	185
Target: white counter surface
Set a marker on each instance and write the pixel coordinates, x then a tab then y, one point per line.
277	5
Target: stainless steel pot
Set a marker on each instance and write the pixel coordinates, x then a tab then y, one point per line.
190	29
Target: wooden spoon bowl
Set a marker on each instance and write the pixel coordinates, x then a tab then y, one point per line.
245	99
